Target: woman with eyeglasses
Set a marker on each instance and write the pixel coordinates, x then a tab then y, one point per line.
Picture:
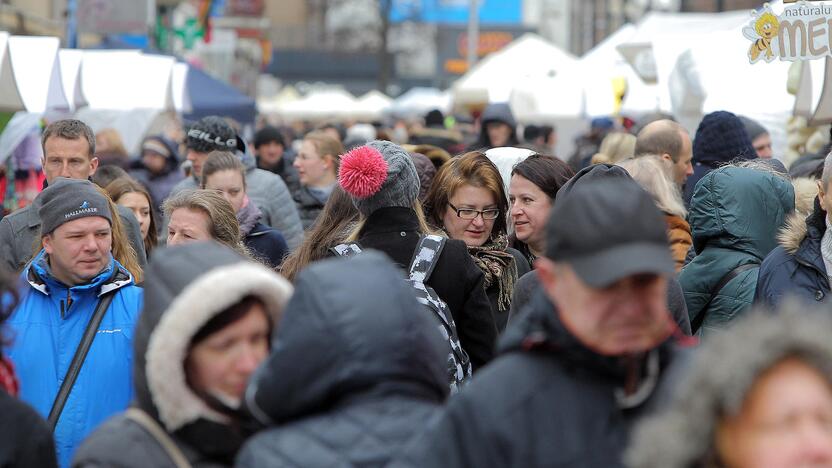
468	200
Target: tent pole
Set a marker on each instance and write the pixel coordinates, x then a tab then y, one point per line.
72	24
473	32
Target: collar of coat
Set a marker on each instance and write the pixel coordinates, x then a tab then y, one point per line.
800	233
39	277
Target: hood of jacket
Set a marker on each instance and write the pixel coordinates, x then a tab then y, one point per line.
497	112
343	341
186	287
717	380
740	209
797	229
539	329
172	159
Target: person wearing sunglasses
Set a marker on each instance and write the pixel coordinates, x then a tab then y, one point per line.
467	199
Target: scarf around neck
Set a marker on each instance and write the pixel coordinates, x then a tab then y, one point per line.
498	266
248	216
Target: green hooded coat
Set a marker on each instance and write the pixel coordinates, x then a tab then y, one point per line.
735	214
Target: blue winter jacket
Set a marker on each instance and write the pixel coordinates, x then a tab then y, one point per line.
47	326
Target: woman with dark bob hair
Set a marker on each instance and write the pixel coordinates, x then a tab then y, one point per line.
534	183
467	199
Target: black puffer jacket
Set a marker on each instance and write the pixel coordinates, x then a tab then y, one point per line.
547	401
456	279
186	286
25	438
309	206
357	369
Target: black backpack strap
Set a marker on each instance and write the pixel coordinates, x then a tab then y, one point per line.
425	257
696	323
78	359
346	250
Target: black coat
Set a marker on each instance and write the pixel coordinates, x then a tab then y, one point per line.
267	244
358	368
308	207
547	401
795	267
285	170
25	438
456	279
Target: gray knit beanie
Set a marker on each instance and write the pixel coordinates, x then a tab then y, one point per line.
377	175
66	200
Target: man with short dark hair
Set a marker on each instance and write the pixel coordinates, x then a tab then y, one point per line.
584	360
266	190
671	141
68	151
270	149
64	285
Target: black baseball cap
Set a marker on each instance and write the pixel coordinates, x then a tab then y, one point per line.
606	227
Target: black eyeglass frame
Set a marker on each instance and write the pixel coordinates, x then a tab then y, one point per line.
476	213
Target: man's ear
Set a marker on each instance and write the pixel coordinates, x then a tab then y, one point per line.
667	157
47	244
93	165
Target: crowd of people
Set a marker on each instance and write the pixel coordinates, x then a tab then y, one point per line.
366	296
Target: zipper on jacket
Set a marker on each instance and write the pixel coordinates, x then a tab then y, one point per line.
816	269
64	310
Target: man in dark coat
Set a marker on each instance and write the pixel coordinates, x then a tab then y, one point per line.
273	156
583	362
799	266
358	369
497	128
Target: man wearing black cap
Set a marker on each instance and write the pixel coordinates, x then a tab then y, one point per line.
64	285
584	359
266	190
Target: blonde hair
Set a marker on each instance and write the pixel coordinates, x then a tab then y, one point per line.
325	145
222	221
615	147
653	174
122	250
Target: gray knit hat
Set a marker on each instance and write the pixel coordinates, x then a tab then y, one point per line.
377	175
66	200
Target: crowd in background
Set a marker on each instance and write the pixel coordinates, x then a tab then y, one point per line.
434	293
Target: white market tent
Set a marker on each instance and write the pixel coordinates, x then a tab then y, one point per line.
325	103
126	80
371	106
418	101
37	72
528	57
10	99
274	104
69	62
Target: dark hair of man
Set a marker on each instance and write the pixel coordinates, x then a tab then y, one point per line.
660	137
546	172
107	174
69	129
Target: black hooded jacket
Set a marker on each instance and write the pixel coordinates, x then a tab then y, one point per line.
546	401
186	286
498	112
357	369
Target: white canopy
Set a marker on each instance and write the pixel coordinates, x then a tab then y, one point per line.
37	72
10	99
528	57
419	101
371	106
274	104
327	103
69	62
126	80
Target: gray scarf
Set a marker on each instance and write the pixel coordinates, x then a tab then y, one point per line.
248	216
826	249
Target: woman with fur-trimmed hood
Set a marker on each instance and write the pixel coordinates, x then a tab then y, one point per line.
206	325
800	265
759	394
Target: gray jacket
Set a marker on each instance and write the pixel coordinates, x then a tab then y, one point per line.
270	194
19	232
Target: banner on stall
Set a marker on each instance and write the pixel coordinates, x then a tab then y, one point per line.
802	32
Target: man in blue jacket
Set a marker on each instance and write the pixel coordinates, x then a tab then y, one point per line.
61	288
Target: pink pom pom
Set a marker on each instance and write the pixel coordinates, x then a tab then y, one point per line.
363	171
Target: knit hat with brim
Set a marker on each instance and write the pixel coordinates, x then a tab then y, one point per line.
721	138
378	175
66	200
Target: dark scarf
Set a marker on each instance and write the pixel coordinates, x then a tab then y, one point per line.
498	266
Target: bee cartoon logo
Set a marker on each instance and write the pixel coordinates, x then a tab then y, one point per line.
763	30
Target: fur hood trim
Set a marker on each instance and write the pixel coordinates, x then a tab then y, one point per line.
721	374
793	233
198	303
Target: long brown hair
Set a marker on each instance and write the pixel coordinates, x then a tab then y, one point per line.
122	250
473	169
124	185
332	227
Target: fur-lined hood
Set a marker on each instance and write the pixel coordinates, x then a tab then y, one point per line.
186	287
721	374
798	226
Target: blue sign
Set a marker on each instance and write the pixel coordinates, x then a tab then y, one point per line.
456	11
